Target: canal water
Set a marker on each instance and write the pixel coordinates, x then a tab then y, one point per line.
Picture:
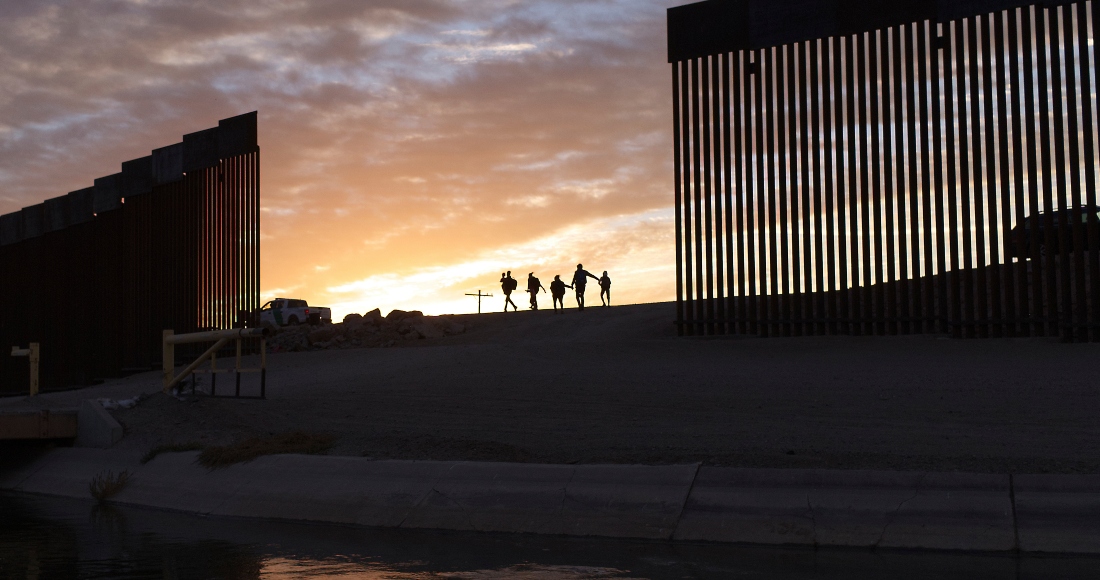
49	538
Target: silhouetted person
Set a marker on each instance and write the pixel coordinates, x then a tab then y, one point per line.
557	290
533	286
507	284
605	288
580	278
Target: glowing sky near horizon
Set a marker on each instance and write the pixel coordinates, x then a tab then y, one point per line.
412	150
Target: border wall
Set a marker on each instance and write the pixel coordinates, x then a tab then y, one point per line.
170	242
862	167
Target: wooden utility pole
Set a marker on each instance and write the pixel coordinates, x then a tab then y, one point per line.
479	297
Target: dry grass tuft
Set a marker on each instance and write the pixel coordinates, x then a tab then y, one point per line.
294	442
170	448
106	485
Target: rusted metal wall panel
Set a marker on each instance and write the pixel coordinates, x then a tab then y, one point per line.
99	273
895	168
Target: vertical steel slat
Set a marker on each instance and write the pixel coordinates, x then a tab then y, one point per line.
685	123
1012	273
743	170
939	186
914	61
728	127
807	177
770	110
953	283
1079	314
975	227
848	228
819	124
877	160
891	163
1088	120
900	272
708	192
678	194
755	222
835	206
1050	272
1031	176
696	154
781	227
866	307
1058	130
717	122
963	230
762	310
994	187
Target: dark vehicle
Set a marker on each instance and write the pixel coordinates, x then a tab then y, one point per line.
1062	221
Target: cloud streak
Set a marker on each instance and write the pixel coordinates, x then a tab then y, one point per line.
404	142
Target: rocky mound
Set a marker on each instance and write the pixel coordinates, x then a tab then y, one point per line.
370	330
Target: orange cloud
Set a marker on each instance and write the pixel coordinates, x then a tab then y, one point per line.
411	150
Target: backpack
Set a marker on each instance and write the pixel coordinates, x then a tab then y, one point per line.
512	284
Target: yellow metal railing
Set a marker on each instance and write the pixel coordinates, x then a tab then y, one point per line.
220	338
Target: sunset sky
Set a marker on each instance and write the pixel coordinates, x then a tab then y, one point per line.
412	150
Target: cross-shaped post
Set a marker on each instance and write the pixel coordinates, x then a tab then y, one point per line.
479	297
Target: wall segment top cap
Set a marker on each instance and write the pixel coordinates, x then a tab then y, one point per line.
237	135
11	226
56	214
137	176
81	205
232	137
32	221
168	164
718	26
108	193
200	150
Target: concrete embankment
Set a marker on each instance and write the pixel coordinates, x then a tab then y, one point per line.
942	511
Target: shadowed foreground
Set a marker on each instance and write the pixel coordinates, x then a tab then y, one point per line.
615	386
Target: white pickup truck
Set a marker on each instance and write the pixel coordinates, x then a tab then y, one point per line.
292	312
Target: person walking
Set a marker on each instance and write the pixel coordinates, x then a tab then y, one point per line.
507	285
580	278
557	291
605	289
533	286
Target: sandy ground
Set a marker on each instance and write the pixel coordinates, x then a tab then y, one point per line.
615	385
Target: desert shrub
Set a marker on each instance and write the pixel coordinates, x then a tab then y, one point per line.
107	485
293	442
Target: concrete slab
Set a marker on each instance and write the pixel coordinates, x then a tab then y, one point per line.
587	500
342	490
174	481
849	508
1058	513
95	427
68	472
943	511
634	501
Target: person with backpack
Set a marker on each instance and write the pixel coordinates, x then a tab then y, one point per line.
557	291
580	279
507	285
605	289
533	286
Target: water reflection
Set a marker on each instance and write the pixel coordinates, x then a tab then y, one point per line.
48	538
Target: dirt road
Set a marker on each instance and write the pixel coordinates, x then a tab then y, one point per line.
615	385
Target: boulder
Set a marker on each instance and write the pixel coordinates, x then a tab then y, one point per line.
399	315
373	316
322	334
426	328
450	327
353	318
